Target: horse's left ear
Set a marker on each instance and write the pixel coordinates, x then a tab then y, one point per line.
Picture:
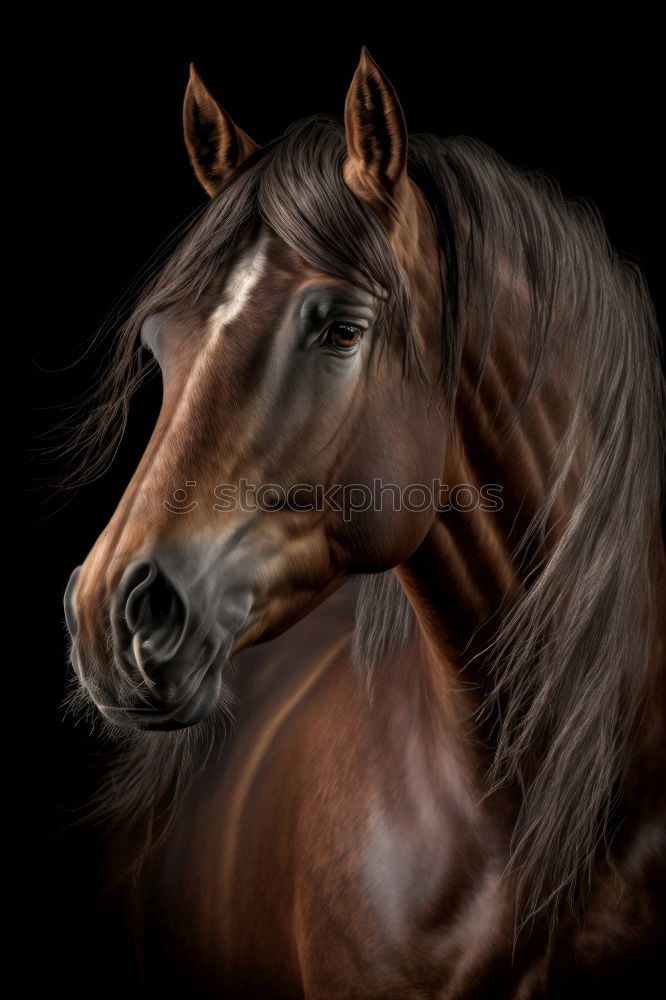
376	165
217	146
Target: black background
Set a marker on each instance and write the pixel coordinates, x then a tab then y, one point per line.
109	180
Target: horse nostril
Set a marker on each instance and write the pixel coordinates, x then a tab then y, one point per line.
153	608
134	585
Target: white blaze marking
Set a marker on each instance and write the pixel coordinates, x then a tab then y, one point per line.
239	284
237	287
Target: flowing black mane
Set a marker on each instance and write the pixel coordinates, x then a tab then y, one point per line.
569	658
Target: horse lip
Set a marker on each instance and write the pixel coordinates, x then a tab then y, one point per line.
216	649
170	718
217	643
173	718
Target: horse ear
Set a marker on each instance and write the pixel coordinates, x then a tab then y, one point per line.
216	145
376	165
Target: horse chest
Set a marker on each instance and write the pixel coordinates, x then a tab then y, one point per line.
320	856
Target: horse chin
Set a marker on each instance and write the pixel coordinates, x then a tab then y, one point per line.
197	709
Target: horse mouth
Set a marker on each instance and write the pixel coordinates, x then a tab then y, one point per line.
190	711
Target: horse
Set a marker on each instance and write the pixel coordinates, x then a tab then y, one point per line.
377	627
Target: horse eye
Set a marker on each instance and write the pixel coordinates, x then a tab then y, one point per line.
344	335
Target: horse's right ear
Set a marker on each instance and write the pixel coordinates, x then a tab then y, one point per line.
376	165
216	145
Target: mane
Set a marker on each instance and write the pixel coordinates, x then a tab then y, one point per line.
568	664
568	661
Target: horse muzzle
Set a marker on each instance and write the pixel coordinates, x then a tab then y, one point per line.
168	650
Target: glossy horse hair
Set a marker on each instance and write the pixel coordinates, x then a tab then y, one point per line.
567	666
384	621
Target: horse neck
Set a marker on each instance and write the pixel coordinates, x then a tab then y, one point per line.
469	567
473	564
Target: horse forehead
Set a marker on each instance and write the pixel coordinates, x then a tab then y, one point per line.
285	260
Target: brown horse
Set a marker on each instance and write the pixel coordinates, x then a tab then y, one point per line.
396	538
